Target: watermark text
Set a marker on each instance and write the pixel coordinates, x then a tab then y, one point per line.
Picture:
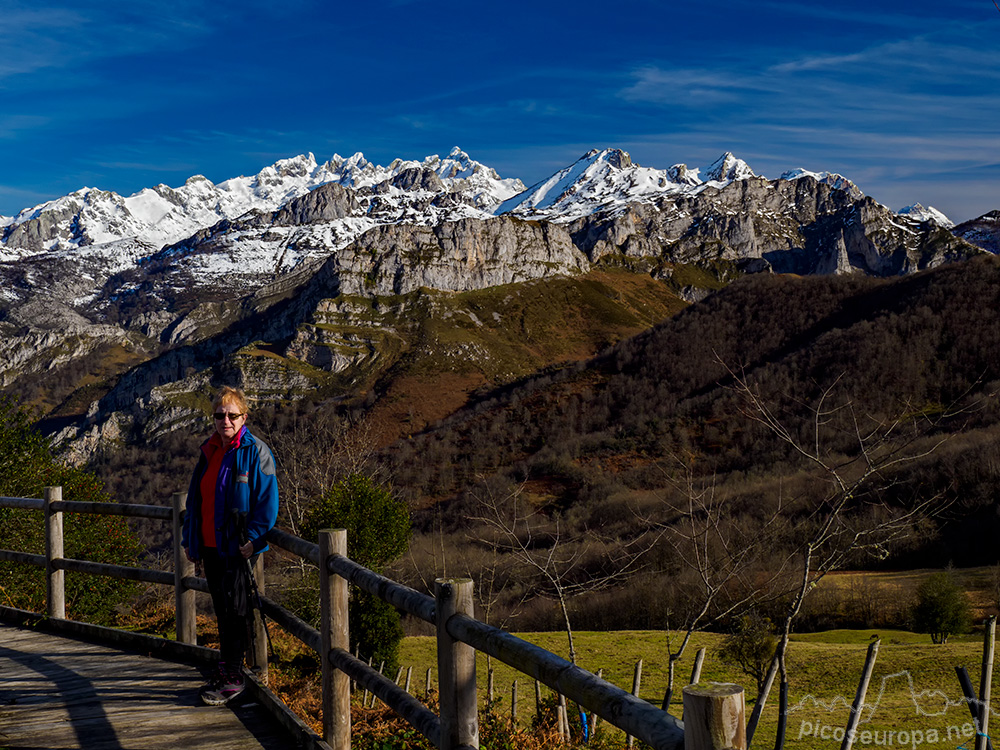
912	738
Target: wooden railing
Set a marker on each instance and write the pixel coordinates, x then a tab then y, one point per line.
450	610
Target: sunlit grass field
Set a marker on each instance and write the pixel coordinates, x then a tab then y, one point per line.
914	699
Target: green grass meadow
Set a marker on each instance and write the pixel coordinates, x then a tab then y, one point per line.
914	699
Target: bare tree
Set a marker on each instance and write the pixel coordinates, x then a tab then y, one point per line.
314	452
852	517
539	544
724	561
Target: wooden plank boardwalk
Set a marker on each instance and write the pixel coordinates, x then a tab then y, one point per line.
62	693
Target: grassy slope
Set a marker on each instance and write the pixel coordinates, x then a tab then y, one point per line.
475	341
824	670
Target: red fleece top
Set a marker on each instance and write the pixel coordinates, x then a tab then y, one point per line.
214	452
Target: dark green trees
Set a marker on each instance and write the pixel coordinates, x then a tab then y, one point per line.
942	608
378	532
27	466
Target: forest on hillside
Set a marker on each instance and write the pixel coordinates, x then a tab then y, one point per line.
605	450
600	466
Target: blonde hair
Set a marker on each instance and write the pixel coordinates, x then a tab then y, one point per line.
230	395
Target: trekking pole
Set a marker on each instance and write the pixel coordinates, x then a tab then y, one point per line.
255	602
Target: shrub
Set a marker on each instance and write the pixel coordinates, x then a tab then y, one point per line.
27	466
941	608
750	647
378	532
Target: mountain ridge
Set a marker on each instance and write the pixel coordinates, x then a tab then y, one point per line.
290	294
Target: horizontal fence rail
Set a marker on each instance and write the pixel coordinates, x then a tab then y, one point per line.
26	503
400	596
460	634
395	697
114	509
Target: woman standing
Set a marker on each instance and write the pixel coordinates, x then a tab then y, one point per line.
232	503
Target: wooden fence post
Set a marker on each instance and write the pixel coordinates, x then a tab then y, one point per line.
714	717
758	706
636	682
185	604
986	679
456	667
859	697
56	578
699	661
594	718
333	593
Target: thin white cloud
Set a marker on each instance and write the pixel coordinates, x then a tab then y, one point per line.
691	86
67	37
14	126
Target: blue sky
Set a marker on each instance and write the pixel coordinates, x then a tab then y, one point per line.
902	98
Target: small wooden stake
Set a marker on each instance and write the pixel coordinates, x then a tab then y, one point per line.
989	638
859	697
636	681
594	718
699	660
758	706
563	719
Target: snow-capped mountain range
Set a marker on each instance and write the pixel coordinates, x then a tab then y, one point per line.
161	215
86	252
123	230
306	270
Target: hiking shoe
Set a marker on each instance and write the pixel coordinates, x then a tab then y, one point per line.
223	688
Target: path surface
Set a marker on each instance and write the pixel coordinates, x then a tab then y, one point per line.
63	693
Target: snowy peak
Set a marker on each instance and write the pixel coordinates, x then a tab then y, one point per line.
728	168
608	180
920	213
680	174
457	165
834	180
457	171
599	180
461	173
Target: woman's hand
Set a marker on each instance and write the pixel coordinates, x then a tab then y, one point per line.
246	550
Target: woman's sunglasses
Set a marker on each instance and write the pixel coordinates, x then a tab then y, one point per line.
221	415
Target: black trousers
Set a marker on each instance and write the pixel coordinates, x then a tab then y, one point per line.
234	616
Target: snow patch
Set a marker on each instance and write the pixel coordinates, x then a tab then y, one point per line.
920	213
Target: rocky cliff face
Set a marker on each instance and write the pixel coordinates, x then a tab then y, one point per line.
800	226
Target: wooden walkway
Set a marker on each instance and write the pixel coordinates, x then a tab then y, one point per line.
62	693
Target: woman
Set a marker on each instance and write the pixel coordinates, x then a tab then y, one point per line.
232	503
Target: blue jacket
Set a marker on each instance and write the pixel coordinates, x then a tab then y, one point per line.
247	485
